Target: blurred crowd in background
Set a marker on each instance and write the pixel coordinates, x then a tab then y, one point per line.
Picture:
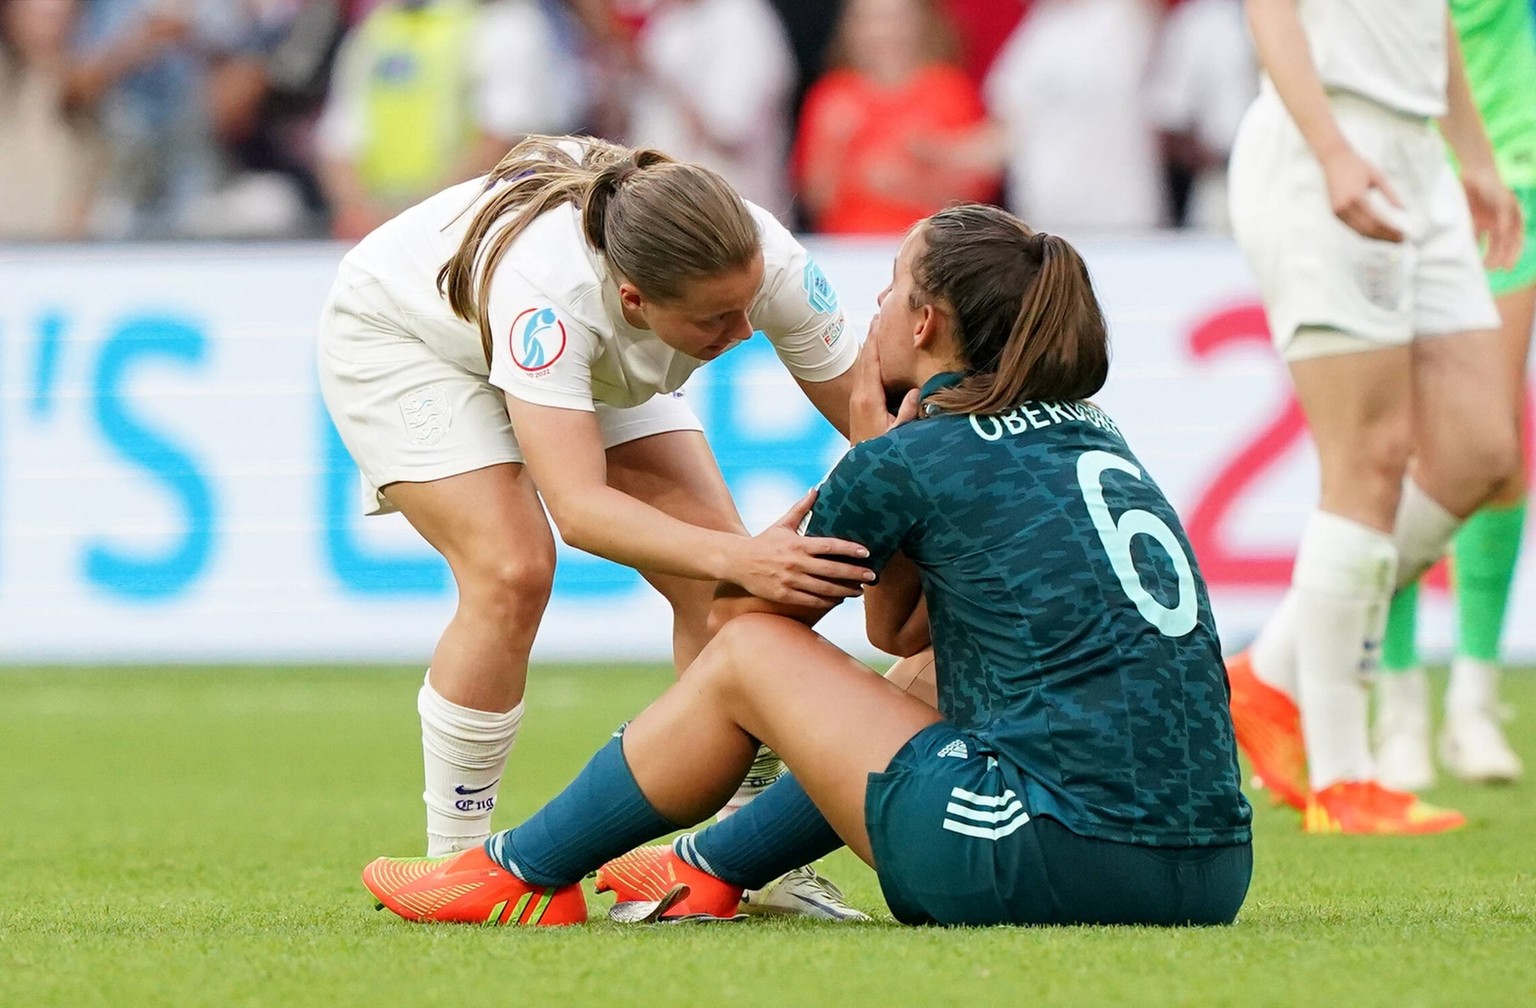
267	119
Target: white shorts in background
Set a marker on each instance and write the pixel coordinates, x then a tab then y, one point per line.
408	414
1317	273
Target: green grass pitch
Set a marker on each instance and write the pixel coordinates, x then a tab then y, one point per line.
193	837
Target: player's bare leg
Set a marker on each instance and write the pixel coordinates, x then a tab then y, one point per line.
1472	744
676	472
489	526
774	679
1358	406
1371	523
917	676
763	677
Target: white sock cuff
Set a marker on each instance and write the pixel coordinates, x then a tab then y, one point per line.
468	738
1423	530
1344	558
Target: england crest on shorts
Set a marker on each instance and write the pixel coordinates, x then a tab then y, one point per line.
426	413
1380	275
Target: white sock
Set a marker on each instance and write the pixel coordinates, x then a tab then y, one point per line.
1473	687
766	768
1274	650
464	752
1343	582
1423	530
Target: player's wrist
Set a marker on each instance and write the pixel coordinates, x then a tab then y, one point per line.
725	556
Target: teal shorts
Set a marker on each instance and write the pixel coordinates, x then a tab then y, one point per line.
955	843
1523	273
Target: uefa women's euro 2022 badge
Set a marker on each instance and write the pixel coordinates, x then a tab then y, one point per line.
538	339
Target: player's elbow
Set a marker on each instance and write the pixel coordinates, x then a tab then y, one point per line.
903	637
909	643
898	641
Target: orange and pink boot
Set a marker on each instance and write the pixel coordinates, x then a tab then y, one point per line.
470	888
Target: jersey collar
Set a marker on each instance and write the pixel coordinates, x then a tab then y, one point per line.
942	380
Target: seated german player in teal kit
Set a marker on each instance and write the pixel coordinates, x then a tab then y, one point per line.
1080	767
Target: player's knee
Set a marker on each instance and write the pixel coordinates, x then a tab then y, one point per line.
1497	456
1367	472
1385	450
735	647
513	586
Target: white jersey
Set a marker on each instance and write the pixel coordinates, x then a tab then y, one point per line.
559	336
1391	51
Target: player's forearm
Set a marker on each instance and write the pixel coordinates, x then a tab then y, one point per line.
1286	57
895	617
1461	125
613	525
831	398
732	600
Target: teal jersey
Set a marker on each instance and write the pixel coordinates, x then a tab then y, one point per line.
1072	629
1498	42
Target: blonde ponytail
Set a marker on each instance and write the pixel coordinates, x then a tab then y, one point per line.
659	223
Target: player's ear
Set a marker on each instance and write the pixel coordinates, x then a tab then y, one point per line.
929	322
630	296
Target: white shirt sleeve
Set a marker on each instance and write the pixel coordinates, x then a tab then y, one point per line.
538	353
799	311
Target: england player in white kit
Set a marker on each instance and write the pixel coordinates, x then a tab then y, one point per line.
528	329
1365	248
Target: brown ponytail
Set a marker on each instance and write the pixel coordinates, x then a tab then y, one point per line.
658	222
1026	316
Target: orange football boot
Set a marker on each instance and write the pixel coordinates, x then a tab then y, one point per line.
470	888
1268	728
1365	807
649	873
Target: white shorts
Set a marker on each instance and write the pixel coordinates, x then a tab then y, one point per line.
406	413
1317	273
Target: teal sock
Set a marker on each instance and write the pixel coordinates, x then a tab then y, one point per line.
1486	548
600	815
779	830
1399	645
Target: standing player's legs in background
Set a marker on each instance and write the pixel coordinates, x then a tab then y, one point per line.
1485	551
1374	530
1472	744
1345	310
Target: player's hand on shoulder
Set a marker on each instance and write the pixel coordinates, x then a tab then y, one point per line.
781	565
1496	216
869	414
1351	181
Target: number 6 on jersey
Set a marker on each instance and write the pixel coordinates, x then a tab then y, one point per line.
1117	536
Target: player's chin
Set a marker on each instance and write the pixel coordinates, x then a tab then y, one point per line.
713	350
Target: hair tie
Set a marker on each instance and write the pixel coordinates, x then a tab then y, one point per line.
624	172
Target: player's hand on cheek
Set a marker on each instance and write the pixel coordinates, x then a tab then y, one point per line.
869	414
781	565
